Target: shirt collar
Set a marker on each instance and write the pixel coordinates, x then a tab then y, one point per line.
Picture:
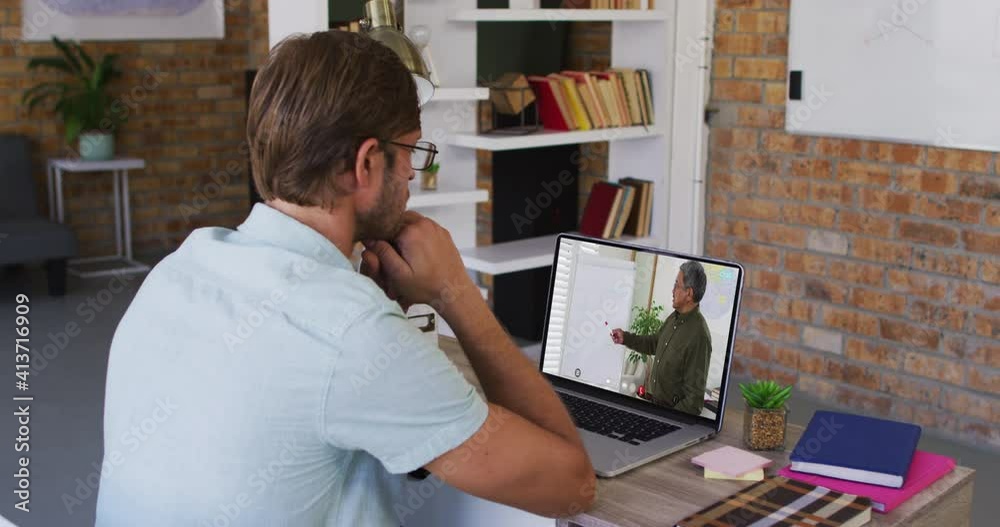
681	317
280	230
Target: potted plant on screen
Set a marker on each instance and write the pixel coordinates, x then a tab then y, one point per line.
646	322
766	417
81	100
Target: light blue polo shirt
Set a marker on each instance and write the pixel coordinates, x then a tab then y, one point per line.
257	379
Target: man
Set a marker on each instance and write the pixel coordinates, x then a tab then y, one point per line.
681	349
257	379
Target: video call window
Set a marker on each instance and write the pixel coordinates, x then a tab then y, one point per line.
649	326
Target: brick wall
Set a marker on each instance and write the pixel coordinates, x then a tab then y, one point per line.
873	268
186	119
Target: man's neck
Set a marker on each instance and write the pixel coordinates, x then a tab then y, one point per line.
687	308
336	225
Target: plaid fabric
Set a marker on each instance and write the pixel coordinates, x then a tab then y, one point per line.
781	502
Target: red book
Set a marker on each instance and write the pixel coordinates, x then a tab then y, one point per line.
600	208
926	468
548	105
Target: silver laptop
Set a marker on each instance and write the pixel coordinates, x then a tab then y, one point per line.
633	406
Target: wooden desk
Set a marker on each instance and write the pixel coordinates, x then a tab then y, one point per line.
665	491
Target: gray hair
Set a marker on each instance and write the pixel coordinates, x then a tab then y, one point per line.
694	277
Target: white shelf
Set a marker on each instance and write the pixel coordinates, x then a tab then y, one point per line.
544	138
558	15
521	255
460	94
445	195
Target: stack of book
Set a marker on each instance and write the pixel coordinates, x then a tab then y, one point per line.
616	209
875	458
579	100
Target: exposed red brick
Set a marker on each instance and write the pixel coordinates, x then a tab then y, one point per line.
919	284
929	233
856	272
813	168
865	223
880	354
851	321
909	334
981	242
864	173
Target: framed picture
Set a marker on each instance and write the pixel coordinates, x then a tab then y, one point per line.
122	19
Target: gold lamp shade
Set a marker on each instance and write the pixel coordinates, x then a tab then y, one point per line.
380	24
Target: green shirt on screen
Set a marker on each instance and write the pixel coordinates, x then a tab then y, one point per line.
680	352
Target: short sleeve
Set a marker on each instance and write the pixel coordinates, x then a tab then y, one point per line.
395	395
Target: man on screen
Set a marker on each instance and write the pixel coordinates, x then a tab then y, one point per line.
681	348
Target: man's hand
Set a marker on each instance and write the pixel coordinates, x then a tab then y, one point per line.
372	268
421	266
617	336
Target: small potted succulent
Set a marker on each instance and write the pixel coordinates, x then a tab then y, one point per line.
82	100
766	417
429	177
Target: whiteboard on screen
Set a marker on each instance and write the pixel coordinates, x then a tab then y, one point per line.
912	71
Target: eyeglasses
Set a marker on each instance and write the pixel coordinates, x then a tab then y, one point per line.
421	154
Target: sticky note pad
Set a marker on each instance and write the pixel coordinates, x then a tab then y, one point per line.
753	475
731	461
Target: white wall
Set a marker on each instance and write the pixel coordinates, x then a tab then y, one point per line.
295	16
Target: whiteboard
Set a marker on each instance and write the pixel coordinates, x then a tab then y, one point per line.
600	301
912	71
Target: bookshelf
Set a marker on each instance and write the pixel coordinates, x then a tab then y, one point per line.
559	15
552	138
521	255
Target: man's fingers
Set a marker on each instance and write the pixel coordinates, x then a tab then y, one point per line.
390	262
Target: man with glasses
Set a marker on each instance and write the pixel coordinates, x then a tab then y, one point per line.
258	379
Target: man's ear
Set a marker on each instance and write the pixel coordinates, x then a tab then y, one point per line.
364	163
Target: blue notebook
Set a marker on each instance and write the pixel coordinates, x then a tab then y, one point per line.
856	448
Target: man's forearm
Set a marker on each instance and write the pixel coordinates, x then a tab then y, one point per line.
508	378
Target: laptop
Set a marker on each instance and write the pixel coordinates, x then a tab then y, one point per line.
633	406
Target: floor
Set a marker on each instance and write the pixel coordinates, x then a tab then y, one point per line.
71	337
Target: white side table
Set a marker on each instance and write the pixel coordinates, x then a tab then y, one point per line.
123	215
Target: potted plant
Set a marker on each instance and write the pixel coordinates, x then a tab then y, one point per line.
645	322
766	417
429	177
82	100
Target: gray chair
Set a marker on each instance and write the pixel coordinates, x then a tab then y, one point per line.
25	235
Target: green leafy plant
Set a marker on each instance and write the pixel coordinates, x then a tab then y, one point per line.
433	169
646	322
81	101
765	394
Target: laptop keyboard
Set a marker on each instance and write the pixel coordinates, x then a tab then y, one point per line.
612	422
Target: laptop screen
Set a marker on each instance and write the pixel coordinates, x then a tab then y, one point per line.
642	323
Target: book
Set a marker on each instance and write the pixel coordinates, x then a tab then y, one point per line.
552	115
628	196
731	461
573	101
598	213
856	448
632	222
627	77
647	94
925	469
588	87
638	224
753	475
781	502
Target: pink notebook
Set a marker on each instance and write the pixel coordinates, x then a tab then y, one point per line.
730	461
926	468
